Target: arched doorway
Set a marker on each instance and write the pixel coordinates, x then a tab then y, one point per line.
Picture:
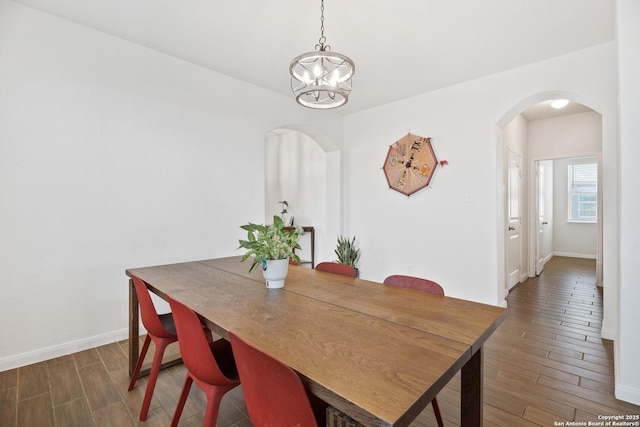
563	150
302	168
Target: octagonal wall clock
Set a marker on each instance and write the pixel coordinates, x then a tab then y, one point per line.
410	164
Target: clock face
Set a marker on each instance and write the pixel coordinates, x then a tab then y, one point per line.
410	164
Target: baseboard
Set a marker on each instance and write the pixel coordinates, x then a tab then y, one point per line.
64	349
574	255
608	333
628	394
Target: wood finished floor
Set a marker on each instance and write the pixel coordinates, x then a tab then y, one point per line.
546	363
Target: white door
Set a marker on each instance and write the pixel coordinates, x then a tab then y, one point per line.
543	213
540	214
514	223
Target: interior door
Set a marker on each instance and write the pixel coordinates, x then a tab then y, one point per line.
514	219
543	213
540	216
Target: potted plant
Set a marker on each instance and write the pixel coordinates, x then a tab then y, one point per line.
271	246
347	252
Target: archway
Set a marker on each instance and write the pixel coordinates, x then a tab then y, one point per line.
512	114
608	168
302	166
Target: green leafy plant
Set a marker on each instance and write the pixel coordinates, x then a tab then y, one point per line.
274	241
347	252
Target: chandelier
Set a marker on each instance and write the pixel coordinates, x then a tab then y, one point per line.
321	79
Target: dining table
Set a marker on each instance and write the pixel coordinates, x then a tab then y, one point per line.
377	353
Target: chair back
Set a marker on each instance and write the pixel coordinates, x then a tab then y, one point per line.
150	318
416	283
197	353
337	268
273	392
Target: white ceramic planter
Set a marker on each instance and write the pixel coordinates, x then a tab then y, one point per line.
274	272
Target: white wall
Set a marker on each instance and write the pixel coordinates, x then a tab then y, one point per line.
628	339
515	135
450	232
565	136
295	170
115	156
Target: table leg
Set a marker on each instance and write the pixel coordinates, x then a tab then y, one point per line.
313	249
134	333
471	392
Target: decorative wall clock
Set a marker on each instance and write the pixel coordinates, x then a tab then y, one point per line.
410	164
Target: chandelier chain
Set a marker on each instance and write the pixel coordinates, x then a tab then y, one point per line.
323	39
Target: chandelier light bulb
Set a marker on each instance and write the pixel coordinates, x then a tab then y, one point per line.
334	78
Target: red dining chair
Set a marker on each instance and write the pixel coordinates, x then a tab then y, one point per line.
337	268
273	393
162	331
416	283
209	364
423	285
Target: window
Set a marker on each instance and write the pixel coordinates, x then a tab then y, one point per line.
583	192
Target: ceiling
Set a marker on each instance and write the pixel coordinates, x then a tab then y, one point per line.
544	110
401	48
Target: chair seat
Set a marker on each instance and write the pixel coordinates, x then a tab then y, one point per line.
223	354
167	322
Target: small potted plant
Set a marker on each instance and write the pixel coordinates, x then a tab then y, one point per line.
271	246
347	252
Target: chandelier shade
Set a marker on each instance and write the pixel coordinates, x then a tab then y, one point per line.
321	79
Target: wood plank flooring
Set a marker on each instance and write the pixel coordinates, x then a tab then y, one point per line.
545	364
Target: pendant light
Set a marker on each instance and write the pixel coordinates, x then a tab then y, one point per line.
321	79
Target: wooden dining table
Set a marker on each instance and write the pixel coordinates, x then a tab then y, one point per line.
377	353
